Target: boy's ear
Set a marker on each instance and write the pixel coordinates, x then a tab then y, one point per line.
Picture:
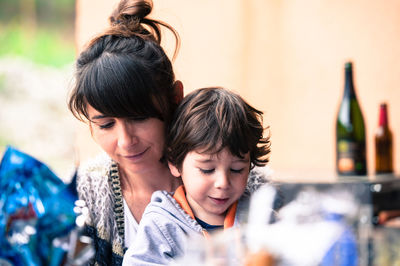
178	91
174	170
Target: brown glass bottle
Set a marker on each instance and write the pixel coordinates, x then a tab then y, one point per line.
383	144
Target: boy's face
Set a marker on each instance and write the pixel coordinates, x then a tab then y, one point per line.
213	182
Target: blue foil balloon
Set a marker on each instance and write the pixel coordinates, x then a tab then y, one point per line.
35	208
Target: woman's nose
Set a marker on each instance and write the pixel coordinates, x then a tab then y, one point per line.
222	180
126	136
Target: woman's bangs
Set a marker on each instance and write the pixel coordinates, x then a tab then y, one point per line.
109	104
119	93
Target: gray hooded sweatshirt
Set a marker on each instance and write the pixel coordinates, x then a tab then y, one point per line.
165	229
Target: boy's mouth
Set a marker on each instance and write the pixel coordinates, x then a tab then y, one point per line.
219	201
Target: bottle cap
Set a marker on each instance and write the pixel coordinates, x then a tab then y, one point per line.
383	120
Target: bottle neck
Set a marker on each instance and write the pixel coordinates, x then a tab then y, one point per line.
349	86
383	120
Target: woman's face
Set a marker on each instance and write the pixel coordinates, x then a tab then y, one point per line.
136	145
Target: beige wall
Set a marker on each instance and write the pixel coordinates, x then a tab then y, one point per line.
286	58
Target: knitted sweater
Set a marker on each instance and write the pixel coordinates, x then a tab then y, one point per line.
99	186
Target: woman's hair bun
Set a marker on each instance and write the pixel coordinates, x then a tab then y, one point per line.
131	10
129	15
130	18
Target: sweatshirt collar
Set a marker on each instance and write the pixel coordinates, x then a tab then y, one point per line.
180	197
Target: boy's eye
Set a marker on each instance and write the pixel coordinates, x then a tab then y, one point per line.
206	171
106	125
237	171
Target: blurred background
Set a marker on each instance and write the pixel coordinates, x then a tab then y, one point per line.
37	51
284	57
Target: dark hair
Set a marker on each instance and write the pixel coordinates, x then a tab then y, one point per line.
211	119
124	72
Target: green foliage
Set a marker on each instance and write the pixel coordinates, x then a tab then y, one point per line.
44	46
8	9
39	30
47	12
61	12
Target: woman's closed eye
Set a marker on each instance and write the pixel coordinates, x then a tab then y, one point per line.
106	125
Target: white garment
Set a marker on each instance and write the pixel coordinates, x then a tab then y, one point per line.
131	225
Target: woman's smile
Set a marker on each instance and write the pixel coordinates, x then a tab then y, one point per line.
136	156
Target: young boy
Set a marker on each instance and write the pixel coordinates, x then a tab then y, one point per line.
214	140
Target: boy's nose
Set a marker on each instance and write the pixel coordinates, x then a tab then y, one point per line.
222	180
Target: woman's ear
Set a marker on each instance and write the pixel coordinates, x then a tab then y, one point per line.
174	170
178	91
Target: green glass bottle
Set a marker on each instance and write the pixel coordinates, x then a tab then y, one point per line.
350	131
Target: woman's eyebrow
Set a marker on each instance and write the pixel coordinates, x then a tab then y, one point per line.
98	117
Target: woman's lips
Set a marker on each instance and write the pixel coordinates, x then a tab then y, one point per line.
135	156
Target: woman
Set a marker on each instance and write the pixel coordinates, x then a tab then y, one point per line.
126	91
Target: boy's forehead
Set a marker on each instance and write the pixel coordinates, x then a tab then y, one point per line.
207	155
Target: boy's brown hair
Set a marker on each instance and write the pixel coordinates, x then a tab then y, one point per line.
210	119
